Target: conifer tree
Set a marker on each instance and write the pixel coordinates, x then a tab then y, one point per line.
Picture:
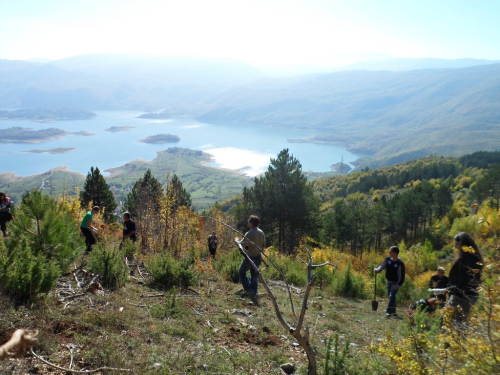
44	241
96	192
285	201
180	195
146	194
144	204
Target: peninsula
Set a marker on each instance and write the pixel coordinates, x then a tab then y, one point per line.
27	135
47	114
161	138
60	150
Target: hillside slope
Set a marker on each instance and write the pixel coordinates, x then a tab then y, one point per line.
401	115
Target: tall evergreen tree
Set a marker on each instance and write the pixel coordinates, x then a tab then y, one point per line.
146	195
180	195
285	202
97	193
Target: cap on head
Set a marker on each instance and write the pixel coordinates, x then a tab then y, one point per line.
96	208
440	269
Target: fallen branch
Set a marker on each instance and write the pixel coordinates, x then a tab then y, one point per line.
21	339
77	371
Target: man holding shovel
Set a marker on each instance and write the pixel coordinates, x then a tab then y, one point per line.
395	276
253	240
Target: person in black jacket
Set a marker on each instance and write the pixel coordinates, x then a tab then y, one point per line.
128	227
395	276
465	277
439	281
212	244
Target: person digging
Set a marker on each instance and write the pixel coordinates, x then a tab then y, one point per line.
253	240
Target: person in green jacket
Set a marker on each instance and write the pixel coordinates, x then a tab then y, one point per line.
86	227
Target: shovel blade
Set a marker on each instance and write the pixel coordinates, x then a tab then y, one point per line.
374	305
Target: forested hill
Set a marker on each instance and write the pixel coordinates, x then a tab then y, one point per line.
394	116
392	178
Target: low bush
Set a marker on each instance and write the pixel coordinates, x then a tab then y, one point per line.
24	273
349	284
167	271
129	248
109	263
228	264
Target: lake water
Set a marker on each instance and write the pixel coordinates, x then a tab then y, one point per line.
233	146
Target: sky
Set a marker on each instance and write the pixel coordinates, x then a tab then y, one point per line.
261	32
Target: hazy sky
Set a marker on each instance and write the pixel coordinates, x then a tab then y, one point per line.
261	32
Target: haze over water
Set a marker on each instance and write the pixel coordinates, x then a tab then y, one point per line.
233	146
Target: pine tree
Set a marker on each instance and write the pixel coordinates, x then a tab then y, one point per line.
144	204
180	195
285	202
44	241
146	194
96	192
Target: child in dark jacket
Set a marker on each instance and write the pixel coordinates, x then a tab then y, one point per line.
395	276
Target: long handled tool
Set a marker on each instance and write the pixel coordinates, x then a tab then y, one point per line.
375	302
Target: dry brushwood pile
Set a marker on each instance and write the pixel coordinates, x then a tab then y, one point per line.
206	328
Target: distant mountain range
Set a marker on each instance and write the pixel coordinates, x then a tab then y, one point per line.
392	116
110	81
391	110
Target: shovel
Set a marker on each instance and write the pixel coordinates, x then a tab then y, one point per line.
375	302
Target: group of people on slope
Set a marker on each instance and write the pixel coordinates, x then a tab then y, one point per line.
88	229
462	284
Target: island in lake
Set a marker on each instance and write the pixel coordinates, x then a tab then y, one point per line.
115	129
60	150
47	114
161	138
28	135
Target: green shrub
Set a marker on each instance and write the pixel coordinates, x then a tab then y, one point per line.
295	272
349	285
408	292
336	359
48	226
292	268
229	264
169	308
167	271
468	225
324	276
129	248
25	273
109	263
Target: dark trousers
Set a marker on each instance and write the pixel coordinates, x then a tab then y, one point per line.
250	285
212	251
391	306
89	238
461	307
4	217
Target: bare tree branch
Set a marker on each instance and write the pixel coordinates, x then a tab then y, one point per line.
78	371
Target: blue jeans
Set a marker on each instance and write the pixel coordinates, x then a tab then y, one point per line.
250	285
391	306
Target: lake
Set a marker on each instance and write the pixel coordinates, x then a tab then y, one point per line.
233	145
